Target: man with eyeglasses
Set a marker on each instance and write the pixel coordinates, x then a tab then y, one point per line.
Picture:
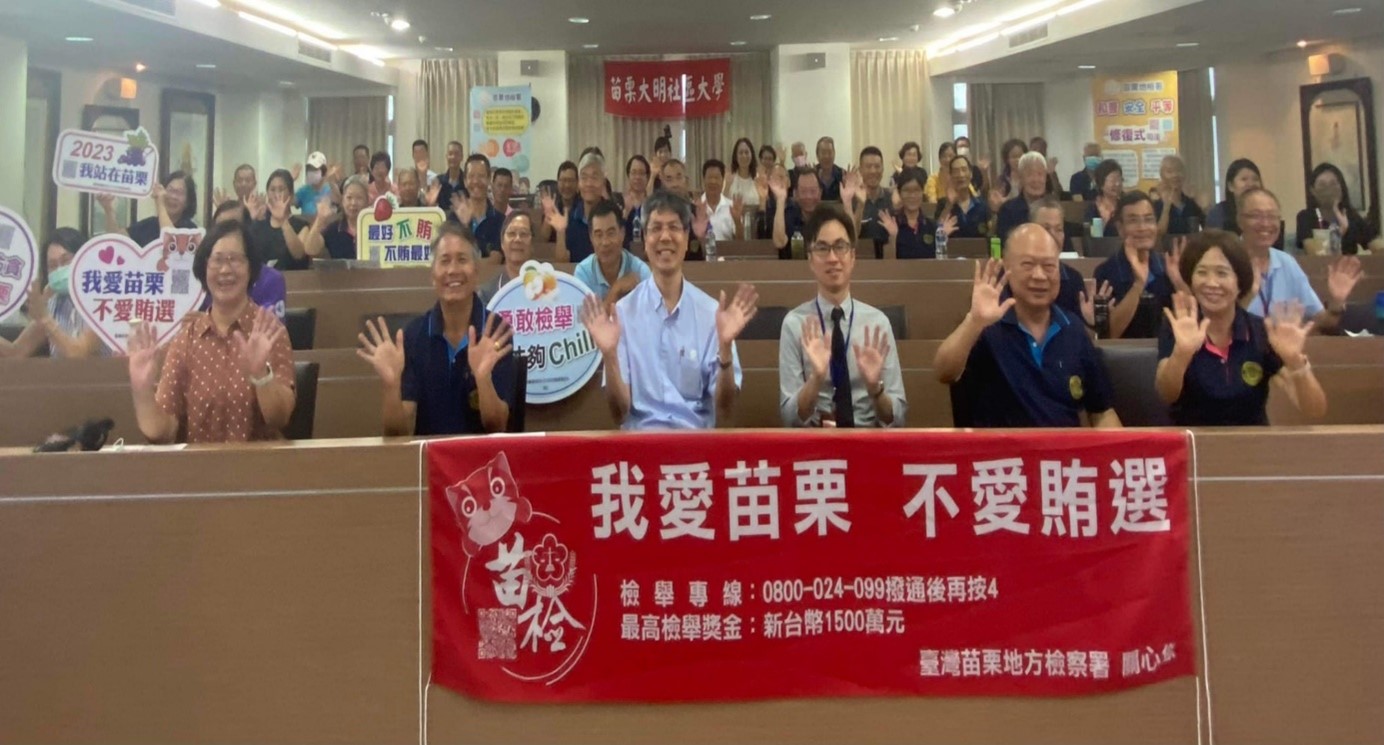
1142	282
838	362
669	348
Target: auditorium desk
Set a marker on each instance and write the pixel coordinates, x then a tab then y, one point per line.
272	594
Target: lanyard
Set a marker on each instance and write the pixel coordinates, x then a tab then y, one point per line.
850	325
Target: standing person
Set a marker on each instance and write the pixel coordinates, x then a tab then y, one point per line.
452	182
1142	282
228	374
573	230
1278	278
360	161
1023	362
321	183
875	198
611	272
380	167
961	204
1184	215
280	236
828	172
1083	182
54	321
847	373
452	370
1110	181
935	190
179	199
516	246
337	238
669	348
910	156
502	190
789	219
1240	177
475	211
422	162
909	233
1329	205
744	169
1215	360
1032	179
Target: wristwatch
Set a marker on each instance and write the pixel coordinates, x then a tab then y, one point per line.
266	380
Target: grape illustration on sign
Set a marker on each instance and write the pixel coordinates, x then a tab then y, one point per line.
543	306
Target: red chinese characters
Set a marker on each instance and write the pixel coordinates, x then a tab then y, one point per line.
677	89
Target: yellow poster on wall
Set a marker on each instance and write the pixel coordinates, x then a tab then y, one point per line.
1136	123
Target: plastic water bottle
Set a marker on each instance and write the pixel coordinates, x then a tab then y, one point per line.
941	243
796	242
709	243
1335	239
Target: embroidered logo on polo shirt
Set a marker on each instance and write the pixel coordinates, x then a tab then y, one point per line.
1074	385
1251	373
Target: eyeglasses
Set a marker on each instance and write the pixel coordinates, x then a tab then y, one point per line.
231	260
841	249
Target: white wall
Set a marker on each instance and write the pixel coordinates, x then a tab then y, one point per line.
810	104
549	135
1068	116
1259	117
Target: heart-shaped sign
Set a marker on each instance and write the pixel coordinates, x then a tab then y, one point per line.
116	282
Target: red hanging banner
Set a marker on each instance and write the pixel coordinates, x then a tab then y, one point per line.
718	566
680	89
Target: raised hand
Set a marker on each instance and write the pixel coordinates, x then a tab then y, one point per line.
851	185
778	185
815	348
1288	333
870	356
701	220
556	220
253	349
142	351
1089	298
602	323
889	223
384	354
1189	332
1341	277
483	353
989	283
735	312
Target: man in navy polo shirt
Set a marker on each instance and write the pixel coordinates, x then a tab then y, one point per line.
574	228
1142	283
451	371
1023	362
472	208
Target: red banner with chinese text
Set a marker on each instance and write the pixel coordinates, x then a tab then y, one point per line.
718	566
677	89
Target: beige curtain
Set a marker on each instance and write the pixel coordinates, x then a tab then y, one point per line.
1194	138
444	97
1002	111
889	88
751	115
337	125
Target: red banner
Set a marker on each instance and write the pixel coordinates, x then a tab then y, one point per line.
668	90
719	566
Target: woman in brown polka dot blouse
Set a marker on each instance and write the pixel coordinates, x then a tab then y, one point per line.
228	373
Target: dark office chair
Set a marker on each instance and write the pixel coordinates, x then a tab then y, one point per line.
305	407
302	327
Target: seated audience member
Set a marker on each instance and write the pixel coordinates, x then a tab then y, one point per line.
744	169
1329	205
1083	183
637	174
380	167
935	190
320	184
1072	295
1110	181
474	209
611	272
1215	359
452	182
1007	185
1040	145
1278	278
269	290
501	190
179	199
1024	362
838	361
909	233
910	156
1142	282
828	172
516	247
228	374
336	239
961	204
874	198
669	348
789	219
422	164
1242	176
55	325
1033	184
1185	216
280	236
452	370
573	229
722	213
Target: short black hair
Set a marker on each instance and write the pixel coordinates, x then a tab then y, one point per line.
424	143
1127	200
381	157
359	148
872	150
906	147
1235	253
663	143
189	204
498	172
1104	170
825	213
566	165
641	159
476	158
713	163
603	208
202	257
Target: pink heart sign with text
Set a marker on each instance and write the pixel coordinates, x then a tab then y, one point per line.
116	282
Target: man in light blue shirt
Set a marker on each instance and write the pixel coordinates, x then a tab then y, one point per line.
610	271
668	347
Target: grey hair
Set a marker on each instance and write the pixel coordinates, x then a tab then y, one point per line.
1046	203
1032	158
665	201
591	159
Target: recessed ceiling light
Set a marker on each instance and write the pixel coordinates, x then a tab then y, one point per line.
206	66
79	39
1189	44
1345	11
946	11
760	17
399	24
1085	67
590	46
1302	44
140	67
737	43
578	19
888	38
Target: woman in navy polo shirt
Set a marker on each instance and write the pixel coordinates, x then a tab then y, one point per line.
911	234
972	215
1215	359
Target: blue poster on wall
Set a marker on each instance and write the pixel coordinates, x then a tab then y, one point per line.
500	125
